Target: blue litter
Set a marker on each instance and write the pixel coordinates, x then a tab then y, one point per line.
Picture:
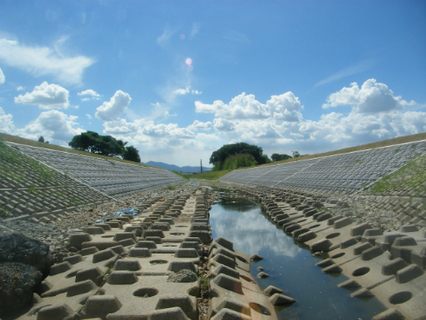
130	211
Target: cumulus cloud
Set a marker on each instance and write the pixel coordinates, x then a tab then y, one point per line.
166	130
223	125
198	125
2	77
90	93
159	141
20	88
372	97
6	122
285	107
52	124
41	61
376	114
46	96
110	110
186	91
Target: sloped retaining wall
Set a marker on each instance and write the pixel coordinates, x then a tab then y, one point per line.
114	178
341	174
43	184
153	266
388	265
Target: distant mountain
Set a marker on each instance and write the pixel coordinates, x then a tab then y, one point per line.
173	167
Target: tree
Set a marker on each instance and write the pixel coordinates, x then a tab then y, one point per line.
296	154
218	157
41	139
91	141
266	158
131	154
238	160
280	157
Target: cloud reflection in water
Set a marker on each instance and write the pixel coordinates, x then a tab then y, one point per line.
242	223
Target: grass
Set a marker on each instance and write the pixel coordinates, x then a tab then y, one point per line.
32	143
12	156
378	144
213	175
209	175
412	175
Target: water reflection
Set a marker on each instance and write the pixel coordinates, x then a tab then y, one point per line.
290	267
242	223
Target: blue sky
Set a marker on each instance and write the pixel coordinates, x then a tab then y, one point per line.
180	79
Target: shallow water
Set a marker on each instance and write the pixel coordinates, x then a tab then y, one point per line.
291	268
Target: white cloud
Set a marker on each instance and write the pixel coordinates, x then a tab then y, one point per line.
41	61
88	116
285	107
279	122
52	125
89	92
6	122
166	130
223	125
358	68
181	91
198	125
109	111
236	36
195	29
20	88
2	77
164	39
46	96
186	91
372	97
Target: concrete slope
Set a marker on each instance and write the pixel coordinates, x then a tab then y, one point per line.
343	174
114	178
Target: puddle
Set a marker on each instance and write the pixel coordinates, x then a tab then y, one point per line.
291	267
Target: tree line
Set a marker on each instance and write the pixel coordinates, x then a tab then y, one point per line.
93	142
237	155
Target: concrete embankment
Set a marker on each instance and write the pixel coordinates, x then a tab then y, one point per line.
162	263
159	264
388	265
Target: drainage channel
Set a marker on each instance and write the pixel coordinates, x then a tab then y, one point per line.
290	267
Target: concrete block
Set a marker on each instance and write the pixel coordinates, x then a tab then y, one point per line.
408	273
60	268
57	312
393	266
371	253
122	277
278	299
146	244
124	235
228	314
342	223
175	313
229	283
100	306
127	265
139	253
184	302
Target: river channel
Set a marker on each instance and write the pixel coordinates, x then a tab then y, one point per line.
291	268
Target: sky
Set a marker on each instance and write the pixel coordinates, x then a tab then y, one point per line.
180	79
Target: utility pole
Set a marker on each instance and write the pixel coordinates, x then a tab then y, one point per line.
201	164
